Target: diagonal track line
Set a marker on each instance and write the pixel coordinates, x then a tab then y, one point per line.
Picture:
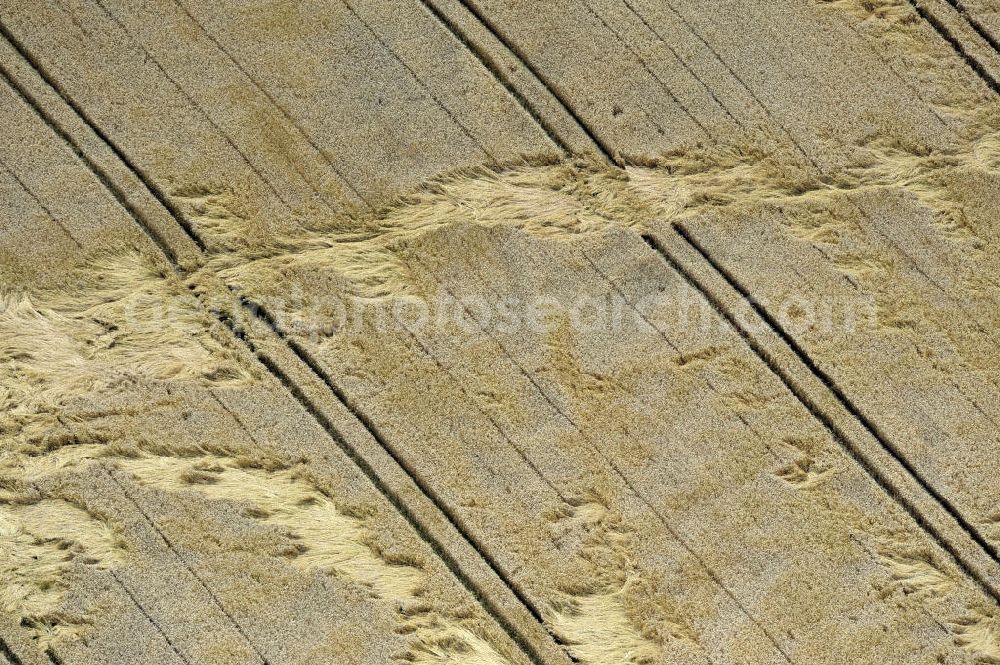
258	313
912	510
27	190
152	621
684	63
623	476
104	178
498	73
832	386
956	44
8	653
606	150
649	70
416	77
281	109
194	103
976	24
184	562
817	412
315	411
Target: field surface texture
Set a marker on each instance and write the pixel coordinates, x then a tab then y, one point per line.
497	332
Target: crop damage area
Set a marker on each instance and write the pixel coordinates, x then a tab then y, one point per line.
653	360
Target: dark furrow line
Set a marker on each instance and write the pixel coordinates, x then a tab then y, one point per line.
746	423
52	656
684	64
225	135
608	153
976	24
437	100
838	435
956	44
624	477
149	618
288	116
832	386
438	548
739	79
260	314
482	598
239	421
180	557
649	70
8	653
663	335
496	426
38	201
976	405
96	170
874	226
498	73
635	309
101	175
307	358
930	280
